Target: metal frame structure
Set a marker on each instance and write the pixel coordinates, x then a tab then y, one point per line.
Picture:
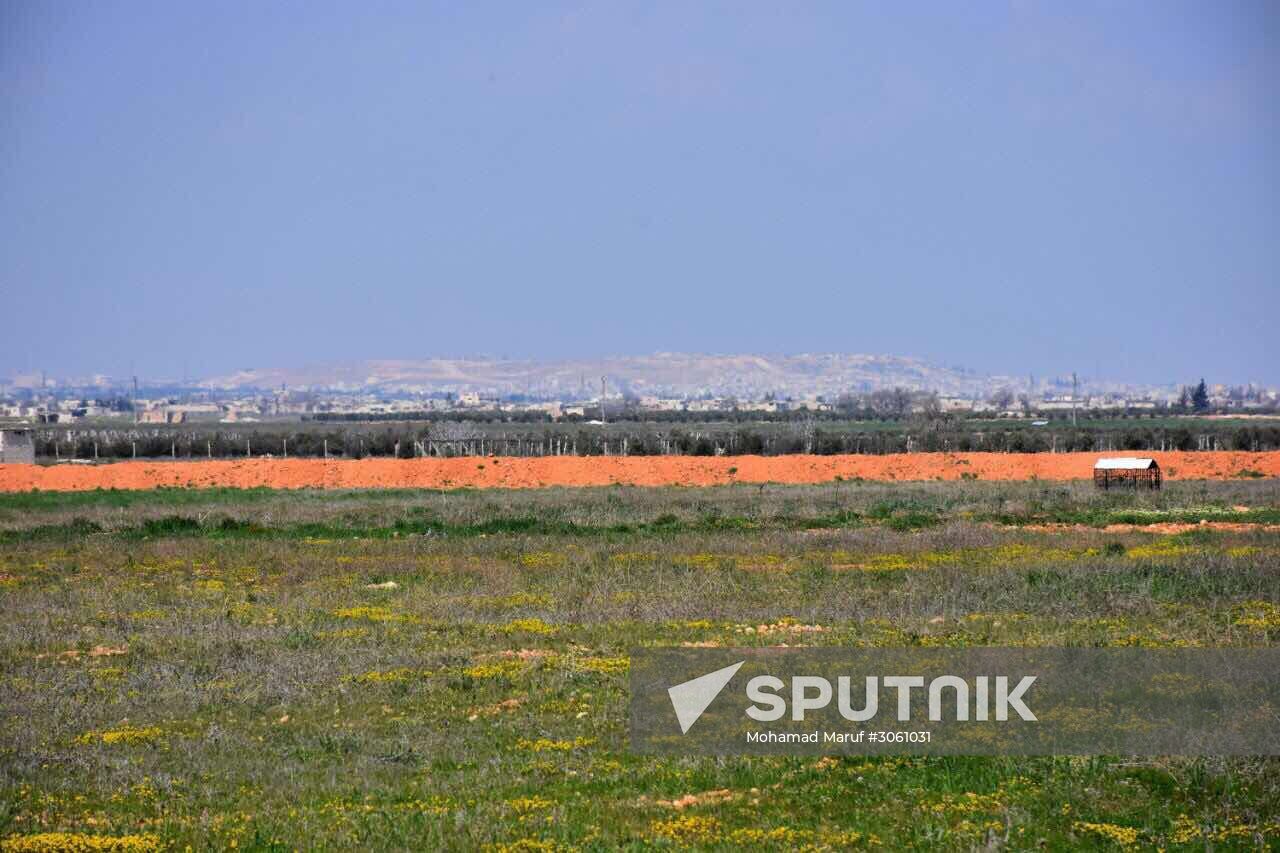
1127	472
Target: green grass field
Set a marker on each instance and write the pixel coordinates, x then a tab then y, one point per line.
448	670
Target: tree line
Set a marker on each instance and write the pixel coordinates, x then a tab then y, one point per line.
460	438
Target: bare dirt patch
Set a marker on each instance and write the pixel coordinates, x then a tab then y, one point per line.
521	473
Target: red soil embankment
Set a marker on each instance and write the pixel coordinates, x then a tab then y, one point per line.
516	472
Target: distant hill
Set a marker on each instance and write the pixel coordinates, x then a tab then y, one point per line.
661	374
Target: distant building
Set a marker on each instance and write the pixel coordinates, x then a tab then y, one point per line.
17	446
163	416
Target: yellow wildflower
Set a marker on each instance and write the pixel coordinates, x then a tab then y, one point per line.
688	829
1125	836
528	626
1262	615
608	666
126	735
524	805
495	669
76	842
372	614
543	560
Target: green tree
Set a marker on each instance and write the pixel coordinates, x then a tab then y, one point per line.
1200	397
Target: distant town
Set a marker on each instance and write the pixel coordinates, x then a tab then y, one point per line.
663	386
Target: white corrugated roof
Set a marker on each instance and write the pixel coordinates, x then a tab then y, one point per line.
1125	463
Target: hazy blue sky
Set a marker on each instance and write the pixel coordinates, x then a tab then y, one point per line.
1013	187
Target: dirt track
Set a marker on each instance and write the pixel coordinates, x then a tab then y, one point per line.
512	472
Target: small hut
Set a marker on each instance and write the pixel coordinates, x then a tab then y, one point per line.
1127	471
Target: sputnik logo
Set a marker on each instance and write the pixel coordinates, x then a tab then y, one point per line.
692	697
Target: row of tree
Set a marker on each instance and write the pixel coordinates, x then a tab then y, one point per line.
465	439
